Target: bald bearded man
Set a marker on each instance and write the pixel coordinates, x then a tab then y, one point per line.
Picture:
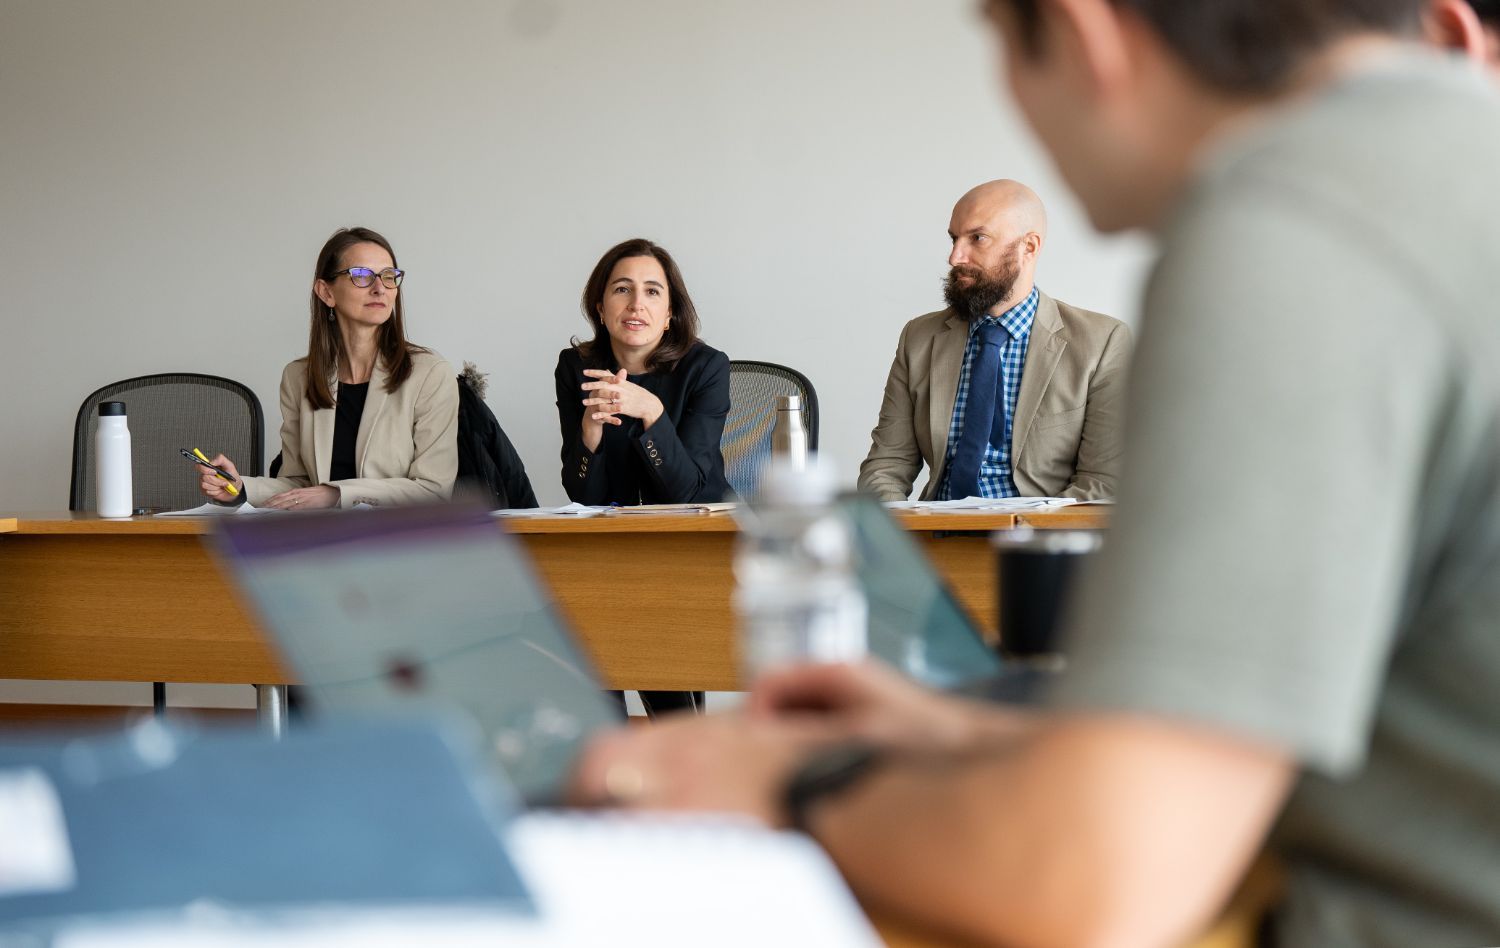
1007	392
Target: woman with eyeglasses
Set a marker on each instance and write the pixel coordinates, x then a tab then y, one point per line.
642	403
366	417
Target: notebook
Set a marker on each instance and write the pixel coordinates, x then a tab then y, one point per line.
137	825
424	608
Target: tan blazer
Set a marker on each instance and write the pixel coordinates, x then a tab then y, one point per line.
406	451
1066	439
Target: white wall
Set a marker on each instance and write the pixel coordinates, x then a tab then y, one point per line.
169	169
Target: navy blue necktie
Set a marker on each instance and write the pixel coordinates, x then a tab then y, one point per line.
979	413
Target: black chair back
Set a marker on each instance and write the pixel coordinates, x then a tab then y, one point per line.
754	389
167	412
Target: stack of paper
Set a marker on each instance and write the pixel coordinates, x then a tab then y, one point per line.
569	510
983	503
641	509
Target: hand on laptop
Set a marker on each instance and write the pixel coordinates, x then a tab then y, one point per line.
724	763
872	702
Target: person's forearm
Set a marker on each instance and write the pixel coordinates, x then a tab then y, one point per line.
1049	841
590	435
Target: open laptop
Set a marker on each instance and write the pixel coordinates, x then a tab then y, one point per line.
915	624
425	608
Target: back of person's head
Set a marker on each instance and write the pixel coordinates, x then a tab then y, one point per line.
681	333
1246	46
1488	10
325	343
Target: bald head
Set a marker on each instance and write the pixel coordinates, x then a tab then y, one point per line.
1008	207
997	230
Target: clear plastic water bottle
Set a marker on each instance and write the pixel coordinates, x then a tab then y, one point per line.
112	480
797	595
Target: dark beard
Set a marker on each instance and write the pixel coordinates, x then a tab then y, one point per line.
989	288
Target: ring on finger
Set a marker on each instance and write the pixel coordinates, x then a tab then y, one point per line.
624	783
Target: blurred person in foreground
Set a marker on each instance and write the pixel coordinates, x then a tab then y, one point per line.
1470	27
1293	635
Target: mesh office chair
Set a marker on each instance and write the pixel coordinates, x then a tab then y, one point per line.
754	388
168	412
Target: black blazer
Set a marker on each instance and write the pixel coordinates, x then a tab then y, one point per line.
675	461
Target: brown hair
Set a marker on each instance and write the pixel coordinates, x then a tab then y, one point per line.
1242	46
682	331
325	344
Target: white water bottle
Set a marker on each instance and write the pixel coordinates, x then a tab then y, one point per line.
112	484
797	595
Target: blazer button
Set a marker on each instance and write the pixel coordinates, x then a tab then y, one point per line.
650	444
657	462
580	475
653	452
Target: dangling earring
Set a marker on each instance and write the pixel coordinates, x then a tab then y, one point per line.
330	314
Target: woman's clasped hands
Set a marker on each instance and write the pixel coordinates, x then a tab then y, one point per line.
611	395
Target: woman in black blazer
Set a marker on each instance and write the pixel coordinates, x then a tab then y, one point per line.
642	404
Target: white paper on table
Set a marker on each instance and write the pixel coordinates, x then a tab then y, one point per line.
670	509
598	879
985	503
35	856
215	510
569	510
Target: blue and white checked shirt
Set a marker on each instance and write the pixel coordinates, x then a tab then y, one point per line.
995	478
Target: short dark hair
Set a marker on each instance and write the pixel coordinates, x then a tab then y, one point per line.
1488	10
682	331
1245	46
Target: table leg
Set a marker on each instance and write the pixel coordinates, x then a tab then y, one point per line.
270	708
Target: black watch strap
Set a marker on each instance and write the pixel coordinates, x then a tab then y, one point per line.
824	774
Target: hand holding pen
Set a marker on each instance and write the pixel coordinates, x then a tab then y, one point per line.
221	481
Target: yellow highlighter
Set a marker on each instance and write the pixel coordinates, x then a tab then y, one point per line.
198	457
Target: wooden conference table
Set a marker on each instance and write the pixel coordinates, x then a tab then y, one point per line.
84	599
142	600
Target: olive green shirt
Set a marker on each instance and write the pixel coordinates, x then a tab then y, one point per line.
1307	547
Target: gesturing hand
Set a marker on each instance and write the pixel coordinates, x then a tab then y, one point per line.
610	395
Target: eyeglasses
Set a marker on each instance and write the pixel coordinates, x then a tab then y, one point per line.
364	276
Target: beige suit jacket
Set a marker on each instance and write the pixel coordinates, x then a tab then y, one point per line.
406	451
1066	440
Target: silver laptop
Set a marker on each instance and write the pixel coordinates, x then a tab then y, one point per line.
916	624
424	608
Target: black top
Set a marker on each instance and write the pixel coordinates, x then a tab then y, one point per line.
346	415
675	461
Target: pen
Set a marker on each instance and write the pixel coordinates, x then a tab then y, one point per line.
197	457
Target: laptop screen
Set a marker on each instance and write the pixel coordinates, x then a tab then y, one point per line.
424	608
915	623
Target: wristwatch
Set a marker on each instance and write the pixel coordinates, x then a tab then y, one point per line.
826	773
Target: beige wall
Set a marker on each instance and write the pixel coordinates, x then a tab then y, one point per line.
168	170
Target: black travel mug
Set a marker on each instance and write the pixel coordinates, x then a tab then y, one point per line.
1036	569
